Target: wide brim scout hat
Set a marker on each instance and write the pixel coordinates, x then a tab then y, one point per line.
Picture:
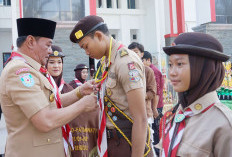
36	27
199	44
56	52
80	66
84	27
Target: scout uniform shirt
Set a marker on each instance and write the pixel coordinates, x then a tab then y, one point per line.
125	74
207	134
24	91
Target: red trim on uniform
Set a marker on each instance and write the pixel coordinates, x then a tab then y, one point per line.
20	9
213	12
171	16
180	16
92	7
170	35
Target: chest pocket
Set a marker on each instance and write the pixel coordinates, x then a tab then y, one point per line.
111	83
189	150
51	137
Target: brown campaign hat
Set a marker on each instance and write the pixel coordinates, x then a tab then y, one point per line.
199	44
80	66
36	27
85	26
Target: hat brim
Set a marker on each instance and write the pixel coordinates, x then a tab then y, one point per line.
197	51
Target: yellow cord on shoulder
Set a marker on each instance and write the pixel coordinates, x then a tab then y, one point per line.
103	58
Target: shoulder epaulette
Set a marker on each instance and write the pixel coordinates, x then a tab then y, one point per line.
123	52
226	111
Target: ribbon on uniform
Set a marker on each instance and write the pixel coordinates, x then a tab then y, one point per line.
66	131
174	133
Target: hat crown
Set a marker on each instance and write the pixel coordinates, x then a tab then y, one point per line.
199	40
81	66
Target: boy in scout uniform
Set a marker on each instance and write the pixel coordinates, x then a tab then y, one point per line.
122	93
33	109
199	125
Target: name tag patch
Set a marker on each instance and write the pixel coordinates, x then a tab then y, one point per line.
27	80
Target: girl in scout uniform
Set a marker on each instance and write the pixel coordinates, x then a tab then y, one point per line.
81	74
199	125
55	68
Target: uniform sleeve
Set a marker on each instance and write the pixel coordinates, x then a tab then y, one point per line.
223	142
25	91
131	74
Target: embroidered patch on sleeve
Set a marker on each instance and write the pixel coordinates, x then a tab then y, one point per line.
27	80
21	70
134	76
131	66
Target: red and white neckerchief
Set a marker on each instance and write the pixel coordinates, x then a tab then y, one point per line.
15	55
102	136
78	83
66	131
61	85
175	132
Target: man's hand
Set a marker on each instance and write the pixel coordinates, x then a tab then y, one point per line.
89	103
155	113
89	87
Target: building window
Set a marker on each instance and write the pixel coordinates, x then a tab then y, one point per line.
134	37
223	11
99	3
114	36
109	4
57	10
131	4
5	56
5	2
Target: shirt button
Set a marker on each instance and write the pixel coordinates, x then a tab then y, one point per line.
49	140
198	107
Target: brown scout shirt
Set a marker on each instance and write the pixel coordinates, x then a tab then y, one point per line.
120	78
151	89
208	134
23	92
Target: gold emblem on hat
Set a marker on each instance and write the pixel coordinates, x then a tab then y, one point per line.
52	97
79	34
198	106
108	91
56	53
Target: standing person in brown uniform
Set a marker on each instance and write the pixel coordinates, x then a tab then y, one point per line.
35	119
81	74
150	87
122	93
55	68
199	125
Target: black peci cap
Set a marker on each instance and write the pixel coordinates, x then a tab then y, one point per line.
85	26
199	44
36	27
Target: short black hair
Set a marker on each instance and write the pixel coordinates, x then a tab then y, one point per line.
147	55
20	41
103	28
134	45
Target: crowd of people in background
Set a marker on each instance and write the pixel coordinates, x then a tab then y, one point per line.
119	111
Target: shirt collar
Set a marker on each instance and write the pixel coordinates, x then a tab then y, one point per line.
31	62
114	51
202	103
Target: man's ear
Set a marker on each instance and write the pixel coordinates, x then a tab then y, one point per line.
30	41
98	35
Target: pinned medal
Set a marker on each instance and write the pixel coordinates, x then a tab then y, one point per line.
109	104
112	109
51	97
114	118
179	118
109	113
198	106
108	92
